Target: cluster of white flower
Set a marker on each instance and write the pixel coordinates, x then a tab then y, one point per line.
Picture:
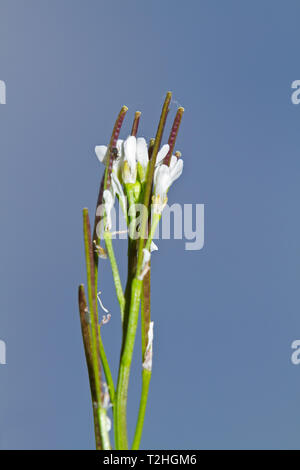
130	167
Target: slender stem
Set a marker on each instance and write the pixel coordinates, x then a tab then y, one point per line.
96	238
146	377
125	364
173	135
120	425
135	124
131	256
131	212
92	303
103	425
130	276
87	342
145	310
103	185
136	289
112	144
115	272
95	347
155	221
107	372
150	174
146	374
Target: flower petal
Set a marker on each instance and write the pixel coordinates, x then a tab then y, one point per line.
162	181
176	171
120	148
130	151
162	153
108	203
101	153
173	161
118	190
142	152
108	199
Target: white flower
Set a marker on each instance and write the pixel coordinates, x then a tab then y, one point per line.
162	154
142	157
116	186
142	152
132	157
109	200
129	166
176	168
162	181
102	154
133	151
101	151
164	176
117	190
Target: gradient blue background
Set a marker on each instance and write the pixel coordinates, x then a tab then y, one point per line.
225	316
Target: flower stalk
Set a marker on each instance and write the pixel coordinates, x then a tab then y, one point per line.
146	372
142	175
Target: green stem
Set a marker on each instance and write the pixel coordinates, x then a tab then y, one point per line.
92	303
155	221
125	364
107	372
146	377
95	347
86	336
146	374
130	276
136	288
145	317
150	174
131	211
115	272
103	426
103	356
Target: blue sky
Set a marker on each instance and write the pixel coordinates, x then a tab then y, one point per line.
225	316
